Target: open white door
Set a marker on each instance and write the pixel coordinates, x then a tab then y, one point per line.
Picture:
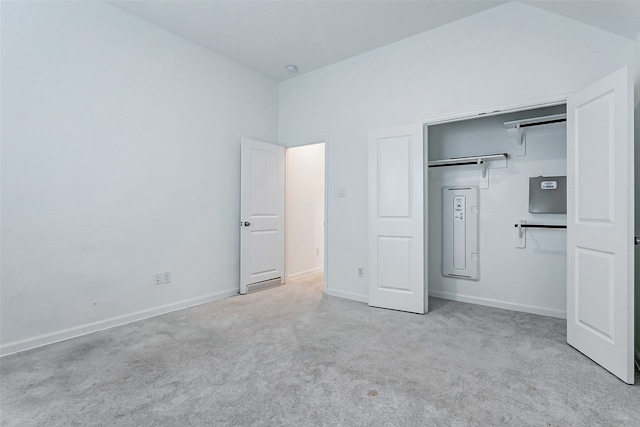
396	219
600	220
261	215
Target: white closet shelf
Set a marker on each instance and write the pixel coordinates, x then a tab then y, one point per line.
516	129
470	160
475	160
536	121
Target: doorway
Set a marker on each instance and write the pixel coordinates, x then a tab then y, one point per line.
305	212
491	260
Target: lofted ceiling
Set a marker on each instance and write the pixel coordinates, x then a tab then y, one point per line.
267	35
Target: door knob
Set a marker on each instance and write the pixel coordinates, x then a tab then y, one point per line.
636	241
247	223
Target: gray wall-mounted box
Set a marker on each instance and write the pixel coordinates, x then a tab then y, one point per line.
548	195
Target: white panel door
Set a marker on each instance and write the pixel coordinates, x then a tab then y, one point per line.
261	215
396	211
600	219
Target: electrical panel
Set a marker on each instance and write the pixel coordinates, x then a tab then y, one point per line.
460	232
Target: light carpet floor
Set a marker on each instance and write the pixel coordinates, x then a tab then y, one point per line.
293	356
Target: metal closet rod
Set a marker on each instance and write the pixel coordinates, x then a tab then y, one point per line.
540	225
546	122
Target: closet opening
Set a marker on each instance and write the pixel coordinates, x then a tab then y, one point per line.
496	198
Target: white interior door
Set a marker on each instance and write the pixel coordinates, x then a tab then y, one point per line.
396	219
600	219
261	215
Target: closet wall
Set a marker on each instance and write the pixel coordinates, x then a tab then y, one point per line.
531	279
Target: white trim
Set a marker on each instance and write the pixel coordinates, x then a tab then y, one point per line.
303	274
326	215
500	304
487	112
89	328
306	141
348	295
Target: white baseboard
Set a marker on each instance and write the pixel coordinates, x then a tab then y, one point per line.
65	334
348	295
500	304
303	274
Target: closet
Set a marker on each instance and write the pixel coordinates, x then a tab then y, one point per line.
528	209
497	210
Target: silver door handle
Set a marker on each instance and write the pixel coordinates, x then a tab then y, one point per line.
247	224
636	241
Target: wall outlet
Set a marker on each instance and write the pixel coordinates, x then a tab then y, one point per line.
157	278
166	277
360	271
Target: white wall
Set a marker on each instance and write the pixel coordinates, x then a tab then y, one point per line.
531	279
510	54
120	158
304	231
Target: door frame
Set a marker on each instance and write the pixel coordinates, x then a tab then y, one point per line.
470	115
301	142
